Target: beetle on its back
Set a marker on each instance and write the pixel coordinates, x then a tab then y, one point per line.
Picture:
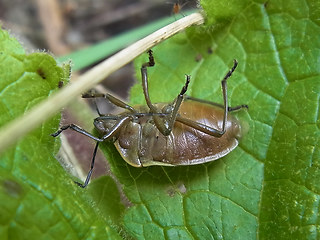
185	132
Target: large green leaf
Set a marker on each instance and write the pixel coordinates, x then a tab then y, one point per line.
268	187
38	199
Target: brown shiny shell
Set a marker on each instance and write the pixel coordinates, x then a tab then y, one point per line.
141	144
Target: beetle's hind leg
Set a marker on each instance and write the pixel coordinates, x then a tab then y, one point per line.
200	127
230	109
236	108
207	129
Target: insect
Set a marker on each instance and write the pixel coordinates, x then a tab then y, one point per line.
186	131
176	8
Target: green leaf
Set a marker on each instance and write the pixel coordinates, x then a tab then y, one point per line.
38	198
267	187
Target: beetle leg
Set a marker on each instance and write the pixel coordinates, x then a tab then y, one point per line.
114	130
91	168
204	128
230	109
225	95
144	74
160	123
112	99
235	108
111	133
108	117
77	129
177	105
200	127
163	124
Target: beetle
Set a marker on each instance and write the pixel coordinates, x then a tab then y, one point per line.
186	131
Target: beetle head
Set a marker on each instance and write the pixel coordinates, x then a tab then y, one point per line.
103	126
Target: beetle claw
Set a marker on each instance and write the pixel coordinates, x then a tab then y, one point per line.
80	184
56	133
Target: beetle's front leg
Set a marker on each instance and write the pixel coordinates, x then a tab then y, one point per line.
77	129
112	132
91	168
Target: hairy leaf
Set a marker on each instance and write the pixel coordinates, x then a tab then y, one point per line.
38	199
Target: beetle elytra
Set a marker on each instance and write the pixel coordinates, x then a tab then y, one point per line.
186	131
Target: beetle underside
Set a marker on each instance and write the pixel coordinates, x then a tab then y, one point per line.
187	131
141	143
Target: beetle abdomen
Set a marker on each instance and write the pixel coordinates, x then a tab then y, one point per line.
185	145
